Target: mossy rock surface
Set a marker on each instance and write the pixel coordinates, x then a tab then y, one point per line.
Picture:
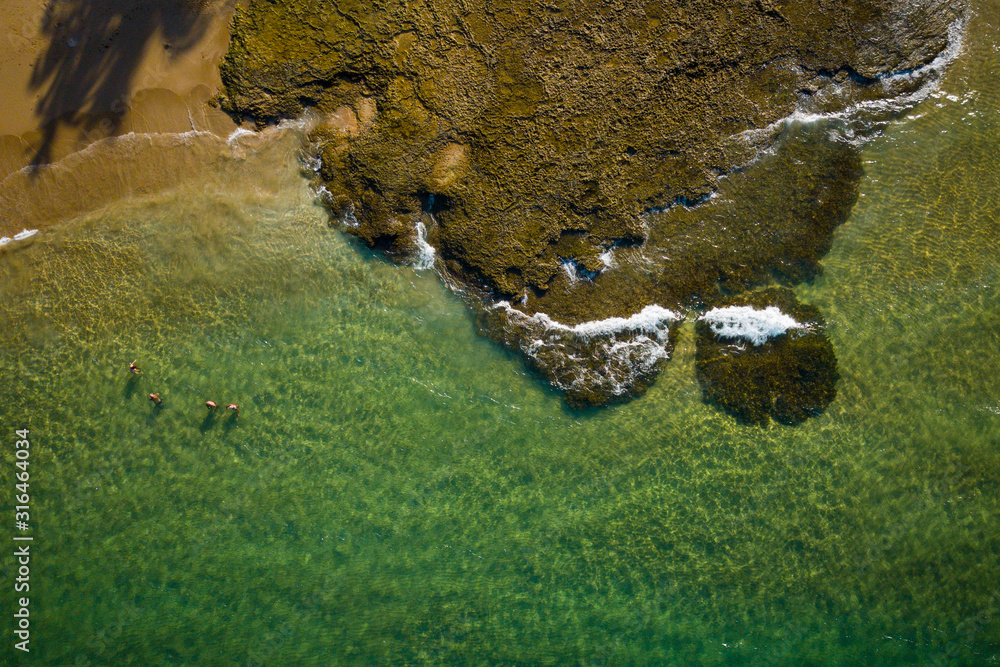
771	222
572	118
555	151
788	378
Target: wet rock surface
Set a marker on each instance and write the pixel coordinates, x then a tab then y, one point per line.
787	376
592	363
586	160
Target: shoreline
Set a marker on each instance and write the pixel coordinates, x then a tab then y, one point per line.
85	75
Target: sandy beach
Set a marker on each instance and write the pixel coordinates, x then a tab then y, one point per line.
76	73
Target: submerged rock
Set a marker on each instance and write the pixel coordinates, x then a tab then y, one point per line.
763	355
585	160
593	363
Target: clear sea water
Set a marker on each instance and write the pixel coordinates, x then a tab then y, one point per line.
399	490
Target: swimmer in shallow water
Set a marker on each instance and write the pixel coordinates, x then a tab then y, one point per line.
155	398
133	369
235	408
211	405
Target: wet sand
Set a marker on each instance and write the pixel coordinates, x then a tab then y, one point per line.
78	73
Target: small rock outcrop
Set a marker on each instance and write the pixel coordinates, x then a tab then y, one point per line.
762	355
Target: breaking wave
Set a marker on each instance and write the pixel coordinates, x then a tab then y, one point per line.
650	319
20	236
424	259
238	133
898	96
749	324
593	361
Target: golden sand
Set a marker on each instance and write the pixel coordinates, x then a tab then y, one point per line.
75	74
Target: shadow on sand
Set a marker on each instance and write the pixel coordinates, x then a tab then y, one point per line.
94	49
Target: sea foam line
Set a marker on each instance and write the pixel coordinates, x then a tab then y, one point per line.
425	251
239	132
650	320
750	324
20	236
956	42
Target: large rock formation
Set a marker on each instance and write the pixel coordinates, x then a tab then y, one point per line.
561	155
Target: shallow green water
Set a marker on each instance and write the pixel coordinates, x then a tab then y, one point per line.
399	490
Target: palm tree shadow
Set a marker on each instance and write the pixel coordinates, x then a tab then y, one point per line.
94	49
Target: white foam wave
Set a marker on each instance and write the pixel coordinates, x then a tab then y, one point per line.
349	218
306	121
20	236
750	324
425	251
569	268
323	194
651	319
891	104
608	355
301	124
237	133
326	198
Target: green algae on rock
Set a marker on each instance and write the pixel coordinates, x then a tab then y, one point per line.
763	355
574	118
772	221
554	151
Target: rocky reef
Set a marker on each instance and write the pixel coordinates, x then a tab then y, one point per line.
582	162
595	362
763	355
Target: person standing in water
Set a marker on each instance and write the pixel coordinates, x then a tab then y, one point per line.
155	398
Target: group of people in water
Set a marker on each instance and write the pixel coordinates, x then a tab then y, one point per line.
158	402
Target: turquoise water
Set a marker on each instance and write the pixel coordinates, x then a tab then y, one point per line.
398	490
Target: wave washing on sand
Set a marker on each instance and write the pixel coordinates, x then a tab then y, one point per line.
130	140
747	323
137	164
136	141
